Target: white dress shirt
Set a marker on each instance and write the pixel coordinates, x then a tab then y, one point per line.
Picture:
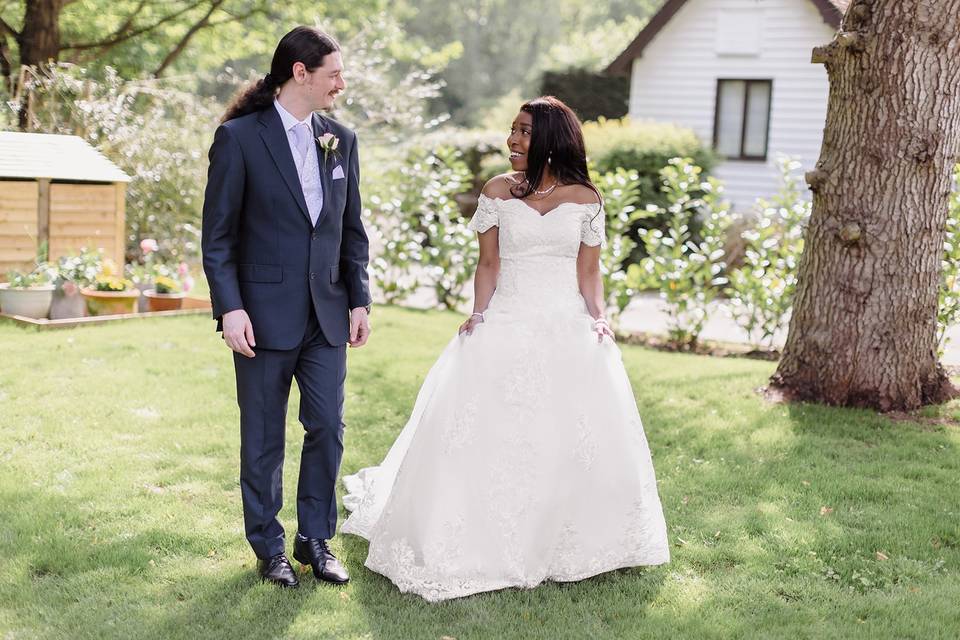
308	168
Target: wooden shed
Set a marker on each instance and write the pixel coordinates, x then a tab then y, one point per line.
61	190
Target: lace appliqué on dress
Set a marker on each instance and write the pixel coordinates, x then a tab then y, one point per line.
485	216
592	229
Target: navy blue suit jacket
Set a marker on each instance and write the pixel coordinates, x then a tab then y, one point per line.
260	251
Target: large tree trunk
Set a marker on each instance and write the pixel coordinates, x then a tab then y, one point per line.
40	37
39	43
863	331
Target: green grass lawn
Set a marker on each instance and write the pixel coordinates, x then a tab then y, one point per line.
120	508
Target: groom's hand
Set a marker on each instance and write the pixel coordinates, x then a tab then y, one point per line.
238	332
359	327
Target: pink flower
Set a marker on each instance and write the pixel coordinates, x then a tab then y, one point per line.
182	269
148	246
69	288
188	283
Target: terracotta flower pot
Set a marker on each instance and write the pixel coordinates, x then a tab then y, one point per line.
106	303
32	302
163	301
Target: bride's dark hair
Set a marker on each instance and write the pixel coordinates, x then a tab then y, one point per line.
556	138
308	45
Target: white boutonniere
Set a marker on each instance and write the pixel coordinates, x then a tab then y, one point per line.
328	143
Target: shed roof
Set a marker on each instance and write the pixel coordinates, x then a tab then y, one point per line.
56	157
831	10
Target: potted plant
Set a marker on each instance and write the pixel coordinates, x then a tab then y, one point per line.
74	272
167	294
28	294
141	271
110	293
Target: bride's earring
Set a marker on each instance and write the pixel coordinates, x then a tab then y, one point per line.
550	159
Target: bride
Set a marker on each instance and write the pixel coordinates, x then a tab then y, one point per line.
524	459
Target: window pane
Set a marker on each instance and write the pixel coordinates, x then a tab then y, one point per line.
758	112
730	116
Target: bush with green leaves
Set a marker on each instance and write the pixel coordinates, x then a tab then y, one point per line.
948	310
645	147
422	237
762	287
621	193
686	260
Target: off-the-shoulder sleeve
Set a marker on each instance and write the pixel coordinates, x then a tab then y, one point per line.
486	215
592	229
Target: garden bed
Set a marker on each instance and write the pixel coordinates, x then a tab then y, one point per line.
191	306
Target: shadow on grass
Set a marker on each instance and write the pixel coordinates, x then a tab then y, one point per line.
157	583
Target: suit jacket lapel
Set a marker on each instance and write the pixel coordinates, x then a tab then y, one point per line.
320	127
275	138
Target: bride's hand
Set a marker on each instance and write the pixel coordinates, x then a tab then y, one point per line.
471	322
602	328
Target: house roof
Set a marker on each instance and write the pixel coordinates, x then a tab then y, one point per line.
56	157
831	10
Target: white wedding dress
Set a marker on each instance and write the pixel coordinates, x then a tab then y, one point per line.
524	459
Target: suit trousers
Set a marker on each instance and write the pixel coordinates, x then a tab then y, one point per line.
263	391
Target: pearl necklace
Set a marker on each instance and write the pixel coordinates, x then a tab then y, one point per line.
546	191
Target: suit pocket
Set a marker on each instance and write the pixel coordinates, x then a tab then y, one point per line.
335	273
259	273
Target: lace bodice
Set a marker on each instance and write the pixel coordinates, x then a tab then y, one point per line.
538	253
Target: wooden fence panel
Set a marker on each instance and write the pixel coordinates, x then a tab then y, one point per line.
18	225
85	215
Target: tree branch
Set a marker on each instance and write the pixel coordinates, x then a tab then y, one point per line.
113	41
205	23
128	23
192	31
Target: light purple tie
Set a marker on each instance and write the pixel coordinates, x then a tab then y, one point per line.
301	138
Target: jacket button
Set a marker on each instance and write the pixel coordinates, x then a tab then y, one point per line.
313	275
315	237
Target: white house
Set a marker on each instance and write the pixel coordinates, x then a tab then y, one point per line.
737	72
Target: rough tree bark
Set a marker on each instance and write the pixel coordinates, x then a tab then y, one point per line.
40	37
863	331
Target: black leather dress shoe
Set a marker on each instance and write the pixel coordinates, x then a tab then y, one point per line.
278	571
316	553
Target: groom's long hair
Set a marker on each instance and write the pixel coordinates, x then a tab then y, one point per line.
308	45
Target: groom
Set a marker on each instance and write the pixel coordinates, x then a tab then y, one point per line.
285	253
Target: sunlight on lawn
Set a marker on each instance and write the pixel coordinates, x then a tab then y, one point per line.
120	513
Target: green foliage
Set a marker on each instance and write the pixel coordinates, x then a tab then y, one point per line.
762	287
687	269
948	309
156	133
608	29
645	147
483	151
591	95
41	275
387	100
621	193
136	37
423	237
